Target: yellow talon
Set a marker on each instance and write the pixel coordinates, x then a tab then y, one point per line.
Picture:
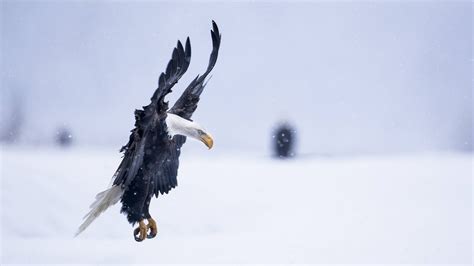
140	232
153	228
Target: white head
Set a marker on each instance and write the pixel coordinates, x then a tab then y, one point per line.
180	126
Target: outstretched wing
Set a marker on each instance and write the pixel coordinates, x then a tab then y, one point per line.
150	122
176	68
187	103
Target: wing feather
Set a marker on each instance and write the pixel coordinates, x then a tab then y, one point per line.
187	103
150	122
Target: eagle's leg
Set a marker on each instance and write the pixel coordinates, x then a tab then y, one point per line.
140	232
153	228
151	222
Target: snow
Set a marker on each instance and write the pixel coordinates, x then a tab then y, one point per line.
244	208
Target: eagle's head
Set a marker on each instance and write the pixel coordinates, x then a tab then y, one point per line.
181	126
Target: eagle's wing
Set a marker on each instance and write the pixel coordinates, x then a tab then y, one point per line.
150	122
187	103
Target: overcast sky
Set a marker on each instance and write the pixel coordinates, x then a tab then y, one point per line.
352	77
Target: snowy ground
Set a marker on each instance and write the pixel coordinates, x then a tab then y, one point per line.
244	209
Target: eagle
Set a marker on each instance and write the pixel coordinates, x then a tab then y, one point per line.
151	157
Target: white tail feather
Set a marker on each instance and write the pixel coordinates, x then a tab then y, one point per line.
103	200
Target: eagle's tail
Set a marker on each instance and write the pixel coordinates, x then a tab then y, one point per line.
103	200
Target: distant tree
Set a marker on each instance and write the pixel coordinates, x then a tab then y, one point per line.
284	141
63	137
12	116
463	137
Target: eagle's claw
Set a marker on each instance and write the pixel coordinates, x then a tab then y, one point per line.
140	232
153	228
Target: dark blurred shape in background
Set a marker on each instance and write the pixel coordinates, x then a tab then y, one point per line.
64	137
12	115
284	141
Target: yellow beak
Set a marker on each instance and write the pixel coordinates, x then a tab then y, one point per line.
207	140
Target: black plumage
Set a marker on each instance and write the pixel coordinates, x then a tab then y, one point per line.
151	158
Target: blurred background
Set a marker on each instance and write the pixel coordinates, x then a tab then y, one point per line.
352	77
377	97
